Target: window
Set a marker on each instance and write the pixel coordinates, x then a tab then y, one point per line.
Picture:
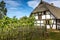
47	16
38	21
47	13
51	21
40	16
48	26
40	13
41	21
54	27
43	16
36	16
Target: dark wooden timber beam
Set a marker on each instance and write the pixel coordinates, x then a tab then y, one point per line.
56	23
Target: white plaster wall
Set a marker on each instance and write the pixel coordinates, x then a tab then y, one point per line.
43	16
36	17
48	26
54	27
52	21
41	21
52	17
47	16
47	12
38	21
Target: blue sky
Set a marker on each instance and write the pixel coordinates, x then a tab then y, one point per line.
20	8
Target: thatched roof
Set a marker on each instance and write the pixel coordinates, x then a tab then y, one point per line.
43	6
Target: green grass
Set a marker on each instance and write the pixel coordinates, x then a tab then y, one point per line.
54	36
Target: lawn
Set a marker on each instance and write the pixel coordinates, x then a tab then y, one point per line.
55	35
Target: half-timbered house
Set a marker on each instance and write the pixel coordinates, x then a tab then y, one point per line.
47	15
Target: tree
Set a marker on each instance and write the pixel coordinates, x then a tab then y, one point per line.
3	9
27	21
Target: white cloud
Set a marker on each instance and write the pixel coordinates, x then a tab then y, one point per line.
11	14
56	3
12	8
33	3
12	3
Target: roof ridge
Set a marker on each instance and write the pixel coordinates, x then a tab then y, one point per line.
50	4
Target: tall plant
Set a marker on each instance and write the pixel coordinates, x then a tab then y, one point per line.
27	21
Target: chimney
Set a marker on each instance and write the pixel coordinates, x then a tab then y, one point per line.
52	4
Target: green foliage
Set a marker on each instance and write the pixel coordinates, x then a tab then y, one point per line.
10	27
27	21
